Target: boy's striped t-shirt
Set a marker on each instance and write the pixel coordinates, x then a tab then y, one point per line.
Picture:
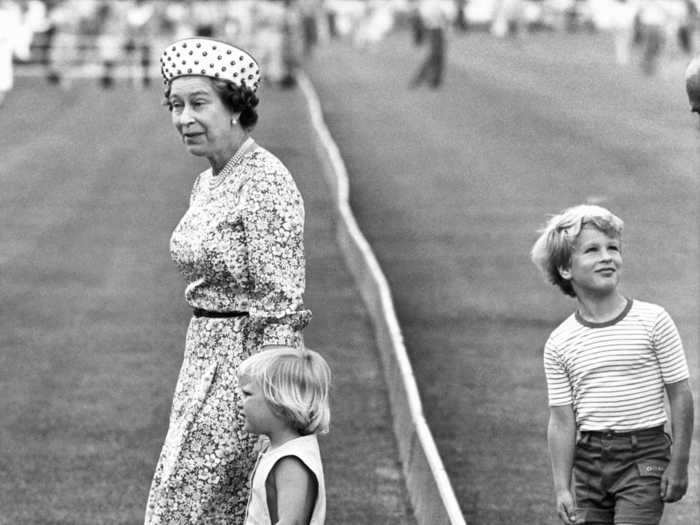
614	373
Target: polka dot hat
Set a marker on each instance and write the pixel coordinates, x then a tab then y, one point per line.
211	58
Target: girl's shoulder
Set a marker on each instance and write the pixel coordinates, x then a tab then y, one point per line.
301	444
303	449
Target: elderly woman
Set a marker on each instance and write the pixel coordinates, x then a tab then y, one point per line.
240	249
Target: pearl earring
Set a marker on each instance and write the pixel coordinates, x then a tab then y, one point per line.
233	121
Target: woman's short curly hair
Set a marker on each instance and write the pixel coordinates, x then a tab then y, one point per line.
238	99
241	100
295	384
557	240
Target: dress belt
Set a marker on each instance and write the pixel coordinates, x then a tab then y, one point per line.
609	434
200	312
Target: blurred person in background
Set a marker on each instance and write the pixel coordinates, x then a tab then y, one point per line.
239	23
240	249
687	26
38	20
622	24
377	22
330	17
66	18
206	17
692	85
178	15
269	39
10	24
417	31
163	29
111	38
652	19
460	20
292	43
89	28
309	12
140	29
508	18
31	20
434	22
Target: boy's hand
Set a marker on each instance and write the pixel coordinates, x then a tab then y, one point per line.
674	482
566	508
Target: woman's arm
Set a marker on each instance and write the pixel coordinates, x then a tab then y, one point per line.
295	490
561	437
274	226
674	481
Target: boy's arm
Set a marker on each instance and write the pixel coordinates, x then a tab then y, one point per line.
561	436
674	481
297	490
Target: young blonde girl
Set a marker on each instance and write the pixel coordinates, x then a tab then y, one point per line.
285	397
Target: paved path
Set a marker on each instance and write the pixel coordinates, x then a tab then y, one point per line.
450	186
93	319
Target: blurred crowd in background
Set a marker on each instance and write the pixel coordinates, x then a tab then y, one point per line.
116	39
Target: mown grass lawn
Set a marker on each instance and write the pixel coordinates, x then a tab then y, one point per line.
450	187
93	318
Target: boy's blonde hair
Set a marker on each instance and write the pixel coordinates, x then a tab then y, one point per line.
557	240
295	383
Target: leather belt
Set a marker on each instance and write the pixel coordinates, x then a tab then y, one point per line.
200	312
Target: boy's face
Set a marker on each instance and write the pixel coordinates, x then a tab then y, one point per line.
259	418
596	263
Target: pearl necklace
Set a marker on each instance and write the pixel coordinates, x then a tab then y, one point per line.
216	180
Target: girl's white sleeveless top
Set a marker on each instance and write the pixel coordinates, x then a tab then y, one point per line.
306	449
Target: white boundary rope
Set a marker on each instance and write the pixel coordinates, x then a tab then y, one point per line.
417	446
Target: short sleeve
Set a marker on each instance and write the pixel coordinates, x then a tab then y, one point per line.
669	349
558	385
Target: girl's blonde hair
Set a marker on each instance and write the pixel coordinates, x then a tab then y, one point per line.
295	383
557	239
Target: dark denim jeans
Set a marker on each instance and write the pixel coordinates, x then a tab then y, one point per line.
617	476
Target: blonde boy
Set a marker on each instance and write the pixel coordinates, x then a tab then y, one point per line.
607	367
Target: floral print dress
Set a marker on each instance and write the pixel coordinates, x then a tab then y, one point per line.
240	248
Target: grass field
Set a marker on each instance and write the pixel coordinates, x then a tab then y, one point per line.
450	187
93	318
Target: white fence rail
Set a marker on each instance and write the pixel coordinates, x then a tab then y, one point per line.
429	488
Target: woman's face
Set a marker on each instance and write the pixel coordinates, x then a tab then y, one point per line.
199	116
